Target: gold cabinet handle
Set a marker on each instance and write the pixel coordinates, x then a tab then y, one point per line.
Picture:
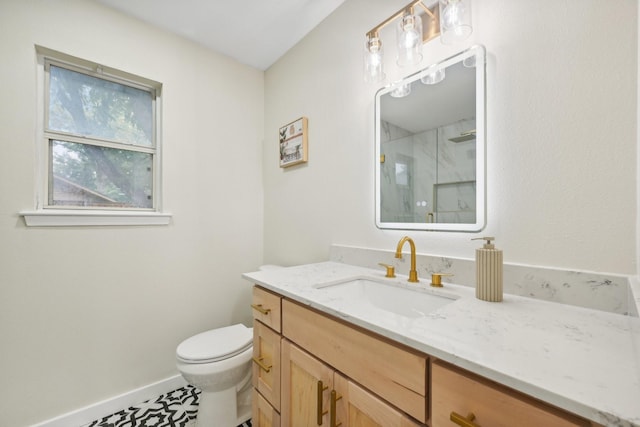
263	366
261	309
464	421
334	399
321	413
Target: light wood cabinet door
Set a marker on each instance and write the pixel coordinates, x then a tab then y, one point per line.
357	407
398	375
306	387
263	413
266	363
456	391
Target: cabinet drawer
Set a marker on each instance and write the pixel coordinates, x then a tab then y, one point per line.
266	308
263	414
266	363
397	375
454	390
361	408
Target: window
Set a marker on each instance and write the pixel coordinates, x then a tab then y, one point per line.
100	140
99	143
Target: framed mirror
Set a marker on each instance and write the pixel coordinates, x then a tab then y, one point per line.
430	147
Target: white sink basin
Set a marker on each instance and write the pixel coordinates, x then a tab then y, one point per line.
365	294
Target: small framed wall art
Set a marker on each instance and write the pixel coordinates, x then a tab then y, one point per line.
293	143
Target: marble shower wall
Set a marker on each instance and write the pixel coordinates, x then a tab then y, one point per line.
456	181
397	175
606	292
427	173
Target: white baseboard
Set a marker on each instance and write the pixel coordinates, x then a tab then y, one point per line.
112	405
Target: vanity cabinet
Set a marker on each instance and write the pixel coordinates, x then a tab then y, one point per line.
304	360
461	395
312	369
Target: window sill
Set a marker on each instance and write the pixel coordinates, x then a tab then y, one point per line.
67	218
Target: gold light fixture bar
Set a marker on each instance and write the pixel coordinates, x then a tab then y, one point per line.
430	20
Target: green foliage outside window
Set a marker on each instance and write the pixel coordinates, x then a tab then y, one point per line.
101	141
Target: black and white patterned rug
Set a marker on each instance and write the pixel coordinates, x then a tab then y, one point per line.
175	409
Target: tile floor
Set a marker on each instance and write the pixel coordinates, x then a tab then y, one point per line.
175	409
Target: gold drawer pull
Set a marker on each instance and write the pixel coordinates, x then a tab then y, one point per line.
321	413
260	308
334	399
462	421
261	364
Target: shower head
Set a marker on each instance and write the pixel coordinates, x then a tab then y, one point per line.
464	136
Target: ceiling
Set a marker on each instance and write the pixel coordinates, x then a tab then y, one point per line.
254	32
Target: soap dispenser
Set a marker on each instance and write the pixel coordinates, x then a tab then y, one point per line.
488	271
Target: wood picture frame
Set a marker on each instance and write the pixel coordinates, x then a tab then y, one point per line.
293	143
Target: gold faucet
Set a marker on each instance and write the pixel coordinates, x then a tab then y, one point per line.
413	273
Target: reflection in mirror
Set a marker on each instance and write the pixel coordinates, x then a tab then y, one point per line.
430	147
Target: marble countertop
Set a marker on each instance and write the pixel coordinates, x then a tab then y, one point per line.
584	361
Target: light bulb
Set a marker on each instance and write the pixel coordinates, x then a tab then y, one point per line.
451	15
409	35
409	39
373	70
455	20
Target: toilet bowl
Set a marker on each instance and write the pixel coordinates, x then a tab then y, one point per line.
218	362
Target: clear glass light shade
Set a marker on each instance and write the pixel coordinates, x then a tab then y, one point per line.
373	70
433	77
469	62
401	91
455	20
409	39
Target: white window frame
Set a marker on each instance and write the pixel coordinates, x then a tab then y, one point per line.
45	215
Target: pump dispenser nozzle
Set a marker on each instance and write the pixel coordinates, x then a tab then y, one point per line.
487	245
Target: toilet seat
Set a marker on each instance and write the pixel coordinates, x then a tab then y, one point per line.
215	345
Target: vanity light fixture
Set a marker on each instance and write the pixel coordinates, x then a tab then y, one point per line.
451	19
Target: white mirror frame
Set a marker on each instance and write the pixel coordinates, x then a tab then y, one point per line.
479	53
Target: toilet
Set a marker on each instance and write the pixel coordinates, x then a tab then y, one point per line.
218	362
